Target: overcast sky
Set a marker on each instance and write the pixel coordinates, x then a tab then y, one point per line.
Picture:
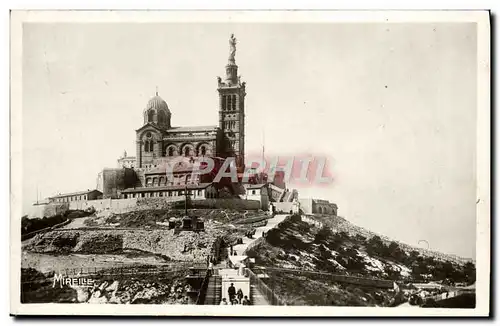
393	106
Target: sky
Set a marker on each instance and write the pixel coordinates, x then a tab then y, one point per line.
392	107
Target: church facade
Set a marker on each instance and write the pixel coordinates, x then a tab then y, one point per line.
157	141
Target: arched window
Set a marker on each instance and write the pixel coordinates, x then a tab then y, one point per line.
148	143
171	151
186	151
223	102
151	115
161	117
233	102
203	151
155	180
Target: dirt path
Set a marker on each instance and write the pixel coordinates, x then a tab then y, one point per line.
76	223
271	223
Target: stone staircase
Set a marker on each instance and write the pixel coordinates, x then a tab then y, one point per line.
288	197
214	290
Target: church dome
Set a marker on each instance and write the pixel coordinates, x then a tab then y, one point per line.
157	112
157	103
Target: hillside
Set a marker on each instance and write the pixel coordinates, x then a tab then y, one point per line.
328	247
305	260
340	224
146	231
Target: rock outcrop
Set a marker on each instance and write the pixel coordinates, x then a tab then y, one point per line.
188	245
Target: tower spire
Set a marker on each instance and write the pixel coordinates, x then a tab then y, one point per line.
156	93
232	109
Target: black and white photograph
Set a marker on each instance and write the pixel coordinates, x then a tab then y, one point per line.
308	163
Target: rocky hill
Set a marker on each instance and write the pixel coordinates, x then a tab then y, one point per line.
340	224
184	246
146	231
336	247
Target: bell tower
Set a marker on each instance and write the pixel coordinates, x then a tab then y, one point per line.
232	109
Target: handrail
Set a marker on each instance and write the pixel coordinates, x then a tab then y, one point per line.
368	281
271	297
141	269
203	289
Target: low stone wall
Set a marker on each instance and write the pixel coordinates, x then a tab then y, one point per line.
226	203
286	207
120	206
114	205
160	203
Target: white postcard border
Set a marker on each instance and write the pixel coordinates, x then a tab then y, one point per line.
482	166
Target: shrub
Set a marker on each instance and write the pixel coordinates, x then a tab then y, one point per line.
35	224
323	235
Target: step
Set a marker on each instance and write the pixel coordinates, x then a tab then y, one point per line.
214	290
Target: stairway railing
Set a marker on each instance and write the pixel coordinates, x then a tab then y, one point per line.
200	300
217	295
269	294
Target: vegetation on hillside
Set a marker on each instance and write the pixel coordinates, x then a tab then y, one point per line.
296	244
34	224
422	267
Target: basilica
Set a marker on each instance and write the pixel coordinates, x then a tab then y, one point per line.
158	142
182	148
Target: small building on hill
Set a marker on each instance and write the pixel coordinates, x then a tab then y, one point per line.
76	196
317	206
195	191
126	161
257	192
